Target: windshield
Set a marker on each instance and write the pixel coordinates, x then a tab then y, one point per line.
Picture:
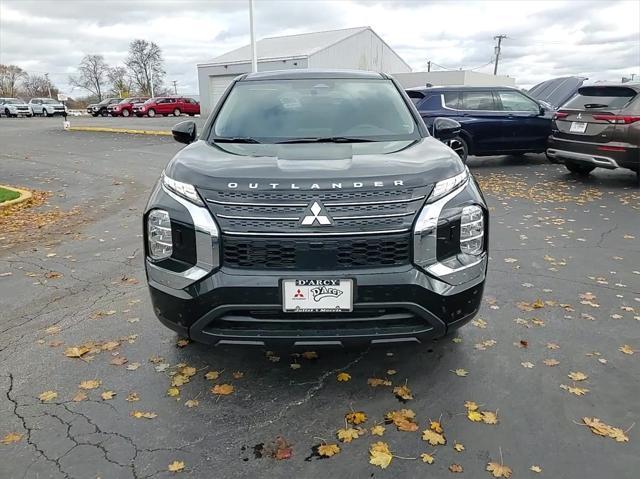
150	100
49	101
594	97
312	109
12	101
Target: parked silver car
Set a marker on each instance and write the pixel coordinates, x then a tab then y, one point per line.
14	107
46	106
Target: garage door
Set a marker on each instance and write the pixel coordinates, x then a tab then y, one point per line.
217	86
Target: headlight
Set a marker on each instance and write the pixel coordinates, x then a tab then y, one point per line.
185	190
159	234
472	230
446	186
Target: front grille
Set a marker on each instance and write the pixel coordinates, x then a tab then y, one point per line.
275	213
314	254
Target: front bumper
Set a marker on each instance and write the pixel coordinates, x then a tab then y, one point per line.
223	305
609	155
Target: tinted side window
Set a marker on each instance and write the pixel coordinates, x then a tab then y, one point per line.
452	99
477	100
514	101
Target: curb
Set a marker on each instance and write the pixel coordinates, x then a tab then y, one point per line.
24	196
119	130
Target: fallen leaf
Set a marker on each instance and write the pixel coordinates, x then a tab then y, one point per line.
456	468
328	450
535	469
575	390
458	447
435	426
281	449
191	403
489	417
343	377
222	389
553	346
107	395
173	392
433	437
551	362
310	355
391	372
471	405
356	417
475	416
80	396
143	414
181	343
428	458
119	361
499	470
176	466
601	429
348	434
403	392
379	454
48	396
480	323
10	438
378	430
133	366
76	351
577	376
213	375
90	384
626	349
294	366
110	345
528	365
375	382
237	374
131	397
403	419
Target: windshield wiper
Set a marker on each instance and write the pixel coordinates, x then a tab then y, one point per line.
234	139
595	105
327	139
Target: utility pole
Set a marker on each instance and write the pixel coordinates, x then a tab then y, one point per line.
429	66
254	57
497	51
46	75
151	82
175	88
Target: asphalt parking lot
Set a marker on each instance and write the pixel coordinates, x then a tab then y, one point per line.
562	298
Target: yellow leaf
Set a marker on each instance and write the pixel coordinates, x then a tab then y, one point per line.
535	469
551	362
471	405
213	375
489	417
435	426
173	392
575	390
131	397
110	345
76	351
48	396
343	377
460	372
328	450
347	435
191	403
499	470
474	416
375	382
433	437
537	304
222	389
181	343
379	455
90	384
238	375
80	396
428	458
577	376
143	414
403	419
527	364
176	466
456	468
458	447
377	430
11	438
107	395
391	372
179	380
626	349
188	371
403	392
602	429
310	355
356	417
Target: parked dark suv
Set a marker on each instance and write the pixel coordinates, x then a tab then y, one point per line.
100	109
315	209
598	128
495	120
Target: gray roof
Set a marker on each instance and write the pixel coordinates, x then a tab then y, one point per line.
289	46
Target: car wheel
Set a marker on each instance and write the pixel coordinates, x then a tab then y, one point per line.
125	113
177	112
151	113
580	169
104	113
6	112
459	145
45	113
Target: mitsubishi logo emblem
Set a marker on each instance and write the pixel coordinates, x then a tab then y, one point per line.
316	215
579	117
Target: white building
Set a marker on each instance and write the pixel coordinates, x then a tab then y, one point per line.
352	48
453	77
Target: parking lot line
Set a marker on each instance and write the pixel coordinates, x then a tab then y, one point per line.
120	130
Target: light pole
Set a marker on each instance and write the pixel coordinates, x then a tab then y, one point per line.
254	57
46	75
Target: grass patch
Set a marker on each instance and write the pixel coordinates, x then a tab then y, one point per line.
7	195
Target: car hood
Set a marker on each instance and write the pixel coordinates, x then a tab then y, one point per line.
557	91
214	166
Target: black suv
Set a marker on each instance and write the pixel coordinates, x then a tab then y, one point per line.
315	209
100	109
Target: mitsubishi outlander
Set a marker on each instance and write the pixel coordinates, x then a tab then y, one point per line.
314	208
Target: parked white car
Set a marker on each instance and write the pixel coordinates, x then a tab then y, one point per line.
14	107
46	106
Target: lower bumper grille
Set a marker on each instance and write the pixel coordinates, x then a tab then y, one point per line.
316	254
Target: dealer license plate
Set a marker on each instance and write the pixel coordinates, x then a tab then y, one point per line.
317	295
578	127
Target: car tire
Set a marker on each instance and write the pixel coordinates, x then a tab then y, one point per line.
460	146
151	113
45	113
177	112
6	113
580	169
125	112
104	113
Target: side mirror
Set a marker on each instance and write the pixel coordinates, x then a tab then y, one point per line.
542	111
445	128
184	132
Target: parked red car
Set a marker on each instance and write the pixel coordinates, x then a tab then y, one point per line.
167	105
125	107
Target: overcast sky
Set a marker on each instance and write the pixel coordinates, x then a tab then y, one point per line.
597	39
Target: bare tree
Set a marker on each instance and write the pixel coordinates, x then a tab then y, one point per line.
92	75
120	81
10	77
38	86
145	65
